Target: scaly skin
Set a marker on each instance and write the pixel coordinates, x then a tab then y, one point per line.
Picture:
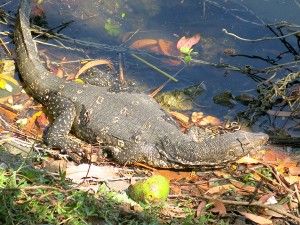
131	126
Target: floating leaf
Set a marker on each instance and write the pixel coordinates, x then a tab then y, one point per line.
188	43
143	43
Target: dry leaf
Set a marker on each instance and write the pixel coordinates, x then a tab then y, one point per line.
265	198
272	213
188	42
143	43
175	190
183	118
166	46
197	116
247	160
92	64
59	72
243	186
221	173
200	209
257	219
174	175
291	179
219	207
294	171
99	173
219	189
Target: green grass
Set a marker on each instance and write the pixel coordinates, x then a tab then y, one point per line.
33	197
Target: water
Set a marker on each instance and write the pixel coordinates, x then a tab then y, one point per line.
106	22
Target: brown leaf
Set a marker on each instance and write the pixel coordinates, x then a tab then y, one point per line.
200	209
175	190
174	175
272	213
291	179
143	43
257	219
166	46
247	160
59	72
183	118
91	64
219	189
294	171
264	198
243	186
219	207
197	116
7	112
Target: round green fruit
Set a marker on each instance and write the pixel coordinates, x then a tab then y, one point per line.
154	190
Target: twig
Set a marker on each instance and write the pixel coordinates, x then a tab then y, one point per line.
35	188
5	47
121	71
164	84
154	67
255	204
259	39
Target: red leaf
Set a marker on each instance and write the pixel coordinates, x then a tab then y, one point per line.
188	42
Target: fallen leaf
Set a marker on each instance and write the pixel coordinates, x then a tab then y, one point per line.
243	186
291	179
8	114
200	209
183	118
174	175
143	43
77	173
257	219
41	120
59	72
197	116
294	171
91	64
188	42
209	120
265	198
272	213
175	190
220	188
247	160
219	207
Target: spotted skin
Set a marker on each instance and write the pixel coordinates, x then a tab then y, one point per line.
130	126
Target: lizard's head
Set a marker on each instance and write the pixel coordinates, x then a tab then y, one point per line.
241	143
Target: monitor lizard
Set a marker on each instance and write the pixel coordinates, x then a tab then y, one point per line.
129	125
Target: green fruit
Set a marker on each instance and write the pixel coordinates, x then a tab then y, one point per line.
154	190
